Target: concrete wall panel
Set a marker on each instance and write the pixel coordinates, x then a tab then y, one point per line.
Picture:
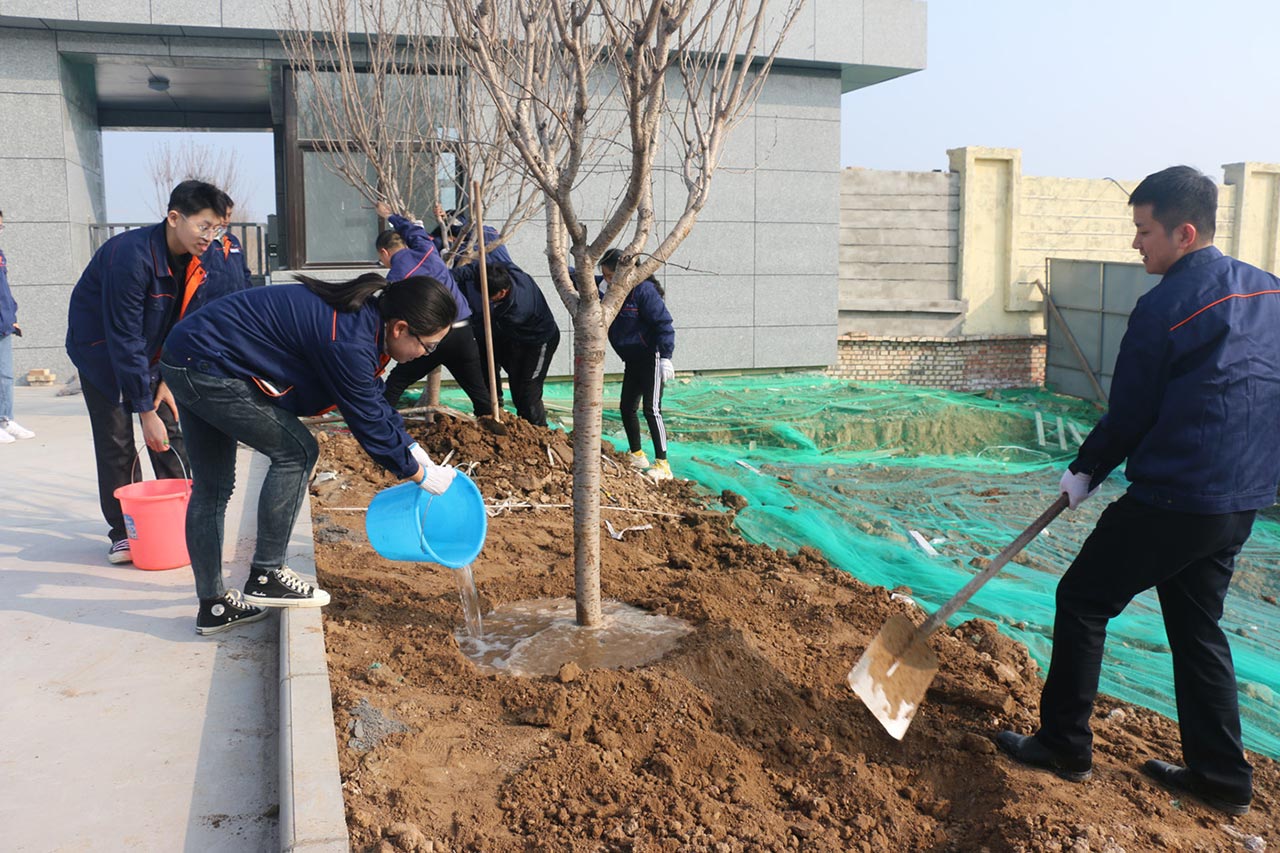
784	346
796	300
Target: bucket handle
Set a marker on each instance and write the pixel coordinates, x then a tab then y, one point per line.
137	457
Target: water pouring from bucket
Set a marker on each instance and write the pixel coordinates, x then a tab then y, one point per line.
405	523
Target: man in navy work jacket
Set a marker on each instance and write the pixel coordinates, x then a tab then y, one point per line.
406	250
1194	406
226	255
134	289
525	335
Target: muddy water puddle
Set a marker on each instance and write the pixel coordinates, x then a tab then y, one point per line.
538	636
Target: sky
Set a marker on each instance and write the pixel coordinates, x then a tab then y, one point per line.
130	196
1085	88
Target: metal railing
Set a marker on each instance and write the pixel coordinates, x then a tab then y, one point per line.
252	237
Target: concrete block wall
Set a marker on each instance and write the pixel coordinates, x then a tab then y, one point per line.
899	244
998	228
976	363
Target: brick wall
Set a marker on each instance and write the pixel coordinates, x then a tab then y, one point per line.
973	363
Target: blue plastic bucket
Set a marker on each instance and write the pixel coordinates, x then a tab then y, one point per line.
406	523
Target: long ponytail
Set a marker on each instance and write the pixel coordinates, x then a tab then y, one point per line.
346	296
421	301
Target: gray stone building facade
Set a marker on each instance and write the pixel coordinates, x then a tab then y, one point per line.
761	285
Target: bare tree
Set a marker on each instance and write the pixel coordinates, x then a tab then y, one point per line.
568	78
170	164
386	98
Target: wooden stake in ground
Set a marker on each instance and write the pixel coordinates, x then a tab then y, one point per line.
477	223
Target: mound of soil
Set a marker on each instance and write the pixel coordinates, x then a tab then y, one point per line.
743	738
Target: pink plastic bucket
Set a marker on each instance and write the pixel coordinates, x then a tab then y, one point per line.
155	516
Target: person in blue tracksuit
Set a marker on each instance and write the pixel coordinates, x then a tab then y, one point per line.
226	255
10	430
1195	400
136	286
406	250
643	336
244	368
458	230
525	335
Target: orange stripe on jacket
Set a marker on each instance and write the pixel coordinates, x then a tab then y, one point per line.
196	276
1219	302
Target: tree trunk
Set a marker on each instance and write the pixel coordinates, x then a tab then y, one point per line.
588	393
431	395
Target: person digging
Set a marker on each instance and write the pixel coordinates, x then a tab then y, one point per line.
1194	405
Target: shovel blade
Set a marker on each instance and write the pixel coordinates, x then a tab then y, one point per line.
893	675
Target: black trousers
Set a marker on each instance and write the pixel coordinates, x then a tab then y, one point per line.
527	366
115	453
1189	560
642	380
458	353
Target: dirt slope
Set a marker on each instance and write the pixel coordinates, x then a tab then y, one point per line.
744	738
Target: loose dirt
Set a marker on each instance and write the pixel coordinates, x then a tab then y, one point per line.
743	738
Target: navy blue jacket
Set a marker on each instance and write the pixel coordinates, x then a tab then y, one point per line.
523	316
1195	399
225	256
313	355
124	305
8	305
643	325
421	258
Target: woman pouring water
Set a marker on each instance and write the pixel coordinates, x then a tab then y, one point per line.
246	367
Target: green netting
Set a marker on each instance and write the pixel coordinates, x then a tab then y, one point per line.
853	469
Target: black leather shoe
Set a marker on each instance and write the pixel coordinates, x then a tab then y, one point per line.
1182	780
1025	749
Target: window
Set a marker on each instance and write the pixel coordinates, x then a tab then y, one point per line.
331	224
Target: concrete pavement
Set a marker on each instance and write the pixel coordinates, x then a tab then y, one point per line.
123	729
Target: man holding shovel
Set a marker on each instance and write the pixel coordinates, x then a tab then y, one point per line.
1195	401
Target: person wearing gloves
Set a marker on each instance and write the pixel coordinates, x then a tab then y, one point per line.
136	286
406	250
1195	401
10	430
525	335
644	338
246	367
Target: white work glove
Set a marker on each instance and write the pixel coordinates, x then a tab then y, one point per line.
668	369
436	479
1076	488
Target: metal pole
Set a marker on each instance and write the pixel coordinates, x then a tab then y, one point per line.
477	220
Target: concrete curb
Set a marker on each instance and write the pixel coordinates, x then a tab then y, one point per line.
313	816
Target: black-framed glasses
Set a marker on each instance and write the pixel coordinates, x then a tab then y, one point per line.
427	348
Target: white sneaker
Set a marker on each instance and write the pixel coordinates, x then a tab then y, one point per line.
16	430
639	460
5	438
661	470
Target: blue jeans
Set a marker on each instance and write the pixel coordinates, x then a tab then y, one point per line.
216	413
6	377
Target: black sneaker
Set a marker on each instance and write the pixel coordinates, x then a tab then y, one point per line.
1025	749
1183	780
120	552
282	588
219	614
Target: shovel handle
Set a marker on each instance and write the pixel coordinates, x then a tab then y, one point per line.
943	613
